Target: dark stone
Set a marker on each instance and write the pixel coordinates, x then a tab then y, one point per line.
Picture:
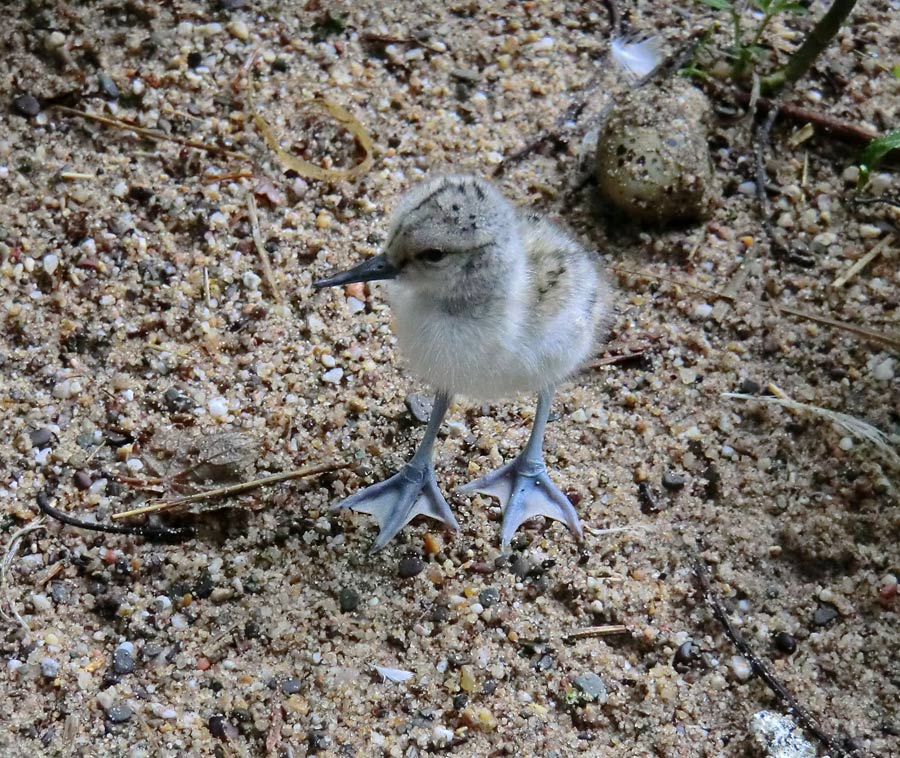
489	597
544	663
291	685
176	401
824	615
252	630
489	687
410	566
673	481
591	686
348	599
231	5
60	592
119	713
151	650
785	642
108	87
82	480
460	701
26	106
419	407
40	437
123	660
194	59
280	65
749	387
685	656
317	742
218	726
141	195
204	587
520	566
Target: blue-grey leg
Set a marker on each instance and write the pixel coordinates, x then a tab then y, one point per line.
523	485
411	492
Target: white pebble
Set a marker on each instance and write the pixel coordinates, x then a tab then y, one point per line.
702	310
333	376
328	360
218	408
741	668
354	305
41	602
869	231
134	464
251	280
51	263
441	736
120	190
179	621
779	736
238	29
846	443
884	371
747	188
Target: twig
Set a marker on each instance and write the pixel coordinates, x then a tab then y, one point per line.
862	262
151	133
232	489
804	717
816	41
862	332
261	249
150	532
12	547
596	631
763	130
838	127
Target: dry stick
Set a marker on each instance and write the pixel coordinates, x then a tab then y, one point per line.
11	550
151	133
765	209
864	261
150	532
804	717
596	631
261	250
233	489
862	332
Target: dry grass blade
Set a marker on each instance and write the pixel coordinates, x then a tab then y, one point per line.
261	249
310	170
151	133
233	489
856	427
864	333
862	262
12	548
597	631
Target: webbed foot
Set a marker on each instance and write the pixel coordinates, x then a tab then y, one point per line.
393	503
525	491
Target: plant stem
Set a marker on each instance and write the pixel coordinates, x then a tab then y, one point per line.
812	46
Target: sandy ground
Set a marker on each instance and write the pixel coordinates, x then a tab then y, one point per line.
139	335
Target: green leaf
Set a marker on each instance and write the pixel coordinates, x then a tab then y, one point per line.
794	8
896	71
874	153
719	5
877	149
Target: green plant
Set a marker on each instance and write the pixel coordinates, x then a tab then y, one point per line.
874	153
746	51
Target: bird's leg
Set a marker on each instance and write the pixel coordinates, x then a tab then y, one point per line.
523	485
411	492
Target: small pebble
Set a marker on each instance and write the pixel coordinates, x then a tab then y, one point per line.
49	668
218	407
591	687
50	263
741	668
348	600
780	736
673	481
40	437
82	480
410	566
824	615
489	597
108	87
238	29
123	658
419	407
785	642
26	106
333	376
291	685
119	712
884	371
686	655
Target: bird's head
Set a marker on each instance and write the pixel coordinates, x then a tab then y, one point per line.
450	237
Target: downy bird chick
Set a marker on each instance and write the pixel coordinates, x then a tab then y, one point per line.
488	302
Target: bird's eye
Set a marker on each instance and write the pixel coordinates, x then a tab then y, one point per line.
432	255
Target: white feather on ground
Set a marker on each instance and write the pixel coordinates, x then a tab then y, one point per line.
636	57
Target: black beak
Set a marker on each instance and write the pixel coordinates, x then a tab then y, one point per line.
378	267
